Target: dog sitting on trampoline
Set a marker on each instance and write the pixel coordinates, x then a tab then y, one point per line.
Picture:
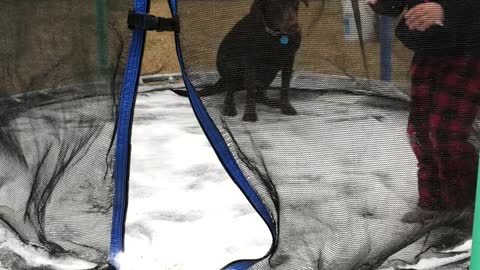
250	56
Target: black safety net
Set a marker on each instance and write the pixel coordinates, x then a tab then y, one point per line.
318	128
61	68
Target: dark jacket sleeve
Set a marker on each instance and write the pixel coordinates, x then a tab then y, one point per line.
460	12
463	18
392	8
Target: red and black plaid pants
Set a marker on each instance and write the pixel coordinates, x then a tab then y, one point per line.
445	96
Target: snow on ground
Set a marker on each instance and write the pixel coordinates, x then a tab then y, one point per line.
37	257
184	211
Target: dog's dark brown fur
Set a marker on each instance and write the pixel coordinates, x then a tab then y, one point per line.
251	55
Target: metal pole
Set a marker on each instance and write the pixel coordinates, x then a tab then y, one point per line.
386	39
475	256
102	36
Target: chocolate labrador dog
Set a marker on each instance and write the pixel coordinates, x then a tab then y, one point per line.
260	45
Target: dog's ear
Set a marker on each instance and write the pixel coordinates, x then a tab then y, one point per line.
305	2
258	8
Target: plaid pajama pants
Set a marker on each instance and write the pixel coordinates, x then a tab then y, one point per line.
445	94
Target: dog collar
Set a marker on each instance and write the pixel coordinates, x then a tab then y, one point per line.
283	37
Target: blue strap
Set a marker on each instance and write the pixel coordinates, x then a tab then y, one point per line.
240	265
122	154
224	154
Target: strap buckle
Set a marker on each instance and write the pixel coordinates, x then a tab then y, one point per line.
149	22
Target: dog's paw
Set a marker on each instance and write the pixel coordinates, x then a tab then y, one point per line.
229	111
288	109
250	117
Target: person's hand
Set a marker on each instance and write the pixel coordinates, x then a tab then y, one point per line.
424	16
372	2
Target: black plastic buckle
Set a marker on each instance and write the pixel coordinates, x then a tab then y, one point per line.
149	22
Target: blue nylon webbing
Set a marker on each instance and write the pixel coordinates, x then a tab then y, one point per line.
224	154
124	123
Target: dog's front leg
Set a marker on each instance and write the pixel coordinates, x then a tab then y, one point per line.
229	103
285	105
251	102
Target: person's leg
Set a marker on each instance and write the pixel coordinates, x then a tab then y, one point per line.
422	88
455	108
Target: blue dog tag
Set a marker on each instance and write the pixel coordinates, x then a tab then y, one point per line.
284	40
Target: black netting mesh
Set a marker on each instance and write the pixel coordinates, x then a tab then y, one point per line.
335	168
61	70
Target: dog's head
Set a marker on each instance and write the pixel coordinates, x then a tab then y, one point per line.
279	15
